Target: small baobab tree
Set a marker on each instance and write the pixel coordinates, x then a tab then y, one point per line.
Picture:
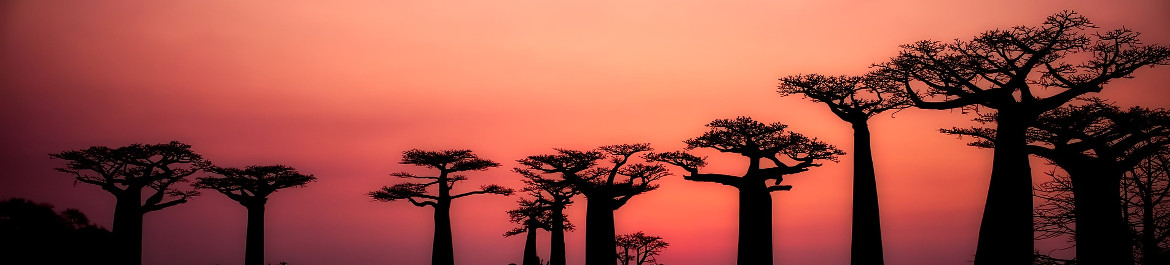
531	216
447	162
250	186
639	248
555	194
789	152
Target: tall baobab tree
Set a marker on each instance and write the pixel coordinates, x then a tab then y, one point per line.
447	162
250	186
790	153
855	99
1096	144
606	188
128	171
1019	73
556	194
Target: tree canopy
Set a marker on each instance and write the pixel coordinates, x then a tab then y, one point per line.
134	167
446	161
242	184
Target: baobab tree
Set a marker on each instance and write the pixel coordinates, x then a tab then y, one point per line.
1146	195
1018	73
532	216
556	194
639	248
129	171
1096	144
790	153
1145	192
855	99
250	186
447	162
606	188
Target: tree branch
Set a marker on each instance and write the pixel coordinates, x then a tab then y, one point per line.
728	180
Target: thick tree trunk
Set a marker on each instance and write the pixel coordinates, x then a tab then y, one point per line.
530	257
254	246
755	223
1101	228
442	250
128	227
867	227
1005	234
599	230
556	253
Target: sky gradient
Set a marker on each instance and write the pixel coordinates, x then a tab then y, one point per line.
340	89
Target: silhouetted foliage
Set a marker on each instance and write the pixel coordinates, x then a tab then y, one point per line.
250	187
32	233
606	188
852	98
1146	196
1054	213
1096	143
790	153
125	172
447	162
855	99
1019	73
639	248
1145	193
532	215
556	194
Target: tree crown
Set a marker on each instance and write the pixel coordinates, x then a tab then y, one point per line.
535	214
446	162
1000	68
639	248
252	181
852	98
755	139
1095	128
131	168
620	179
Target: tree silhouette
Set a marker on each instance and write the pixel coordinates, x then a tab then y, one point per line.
126	172
555	194
447	162
639	248
250	187
1146	194
756	141
855	99
1019	73
532	215
605	188
1054	215
1096	143
33	233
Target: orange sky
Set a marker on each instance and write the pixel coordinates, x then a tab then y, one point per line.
340	89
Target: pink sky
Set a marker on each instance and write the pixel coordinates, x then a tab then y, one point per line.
340	88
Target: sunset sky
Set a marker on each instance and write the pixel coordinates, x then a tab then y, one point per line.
339	89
